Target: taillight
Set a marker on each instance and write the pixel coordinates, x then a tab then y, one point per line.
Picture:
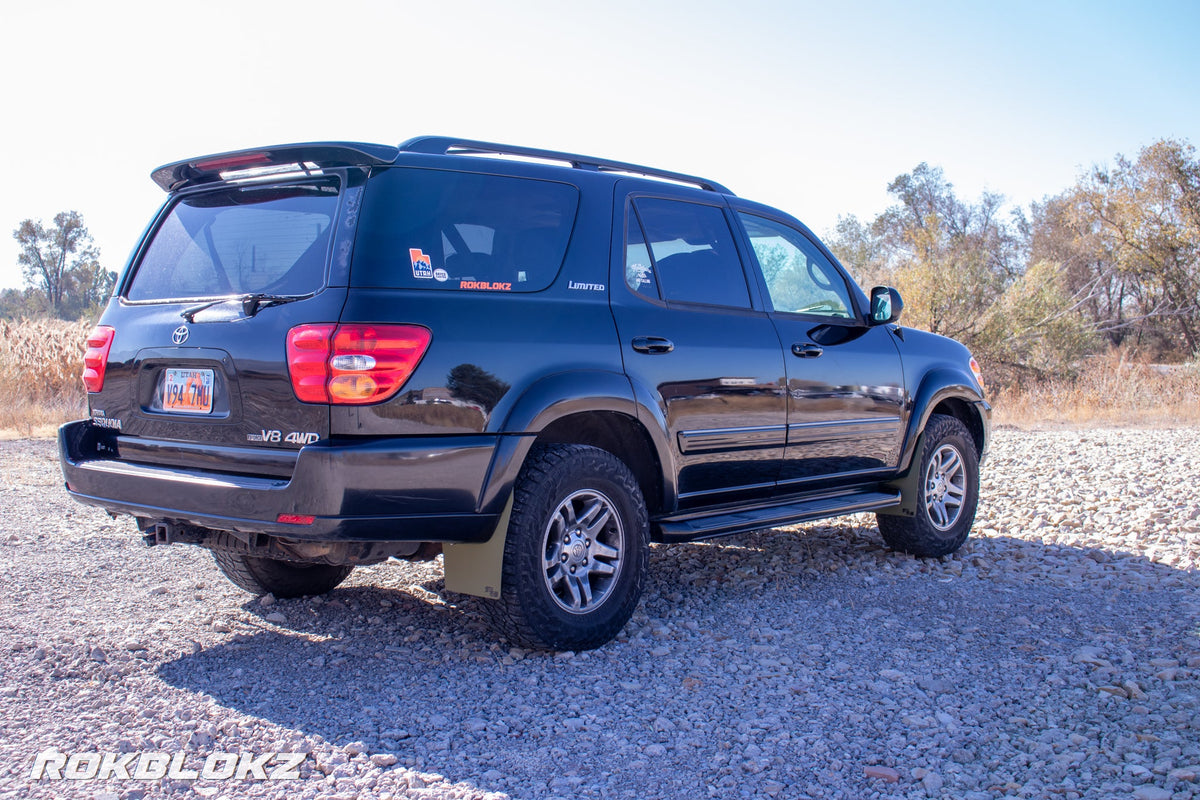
308	361
95	357
353	364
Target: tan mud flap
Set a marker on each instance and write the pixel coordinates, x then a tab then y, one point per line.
476	568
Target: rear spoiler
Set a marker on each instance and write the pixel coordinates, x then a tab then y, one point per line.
303	157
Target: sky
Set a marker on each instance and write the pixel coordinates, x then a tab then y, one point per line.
813	107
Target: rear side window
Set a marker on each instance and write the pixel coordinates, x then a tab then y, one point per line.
432	229
239	241
692	250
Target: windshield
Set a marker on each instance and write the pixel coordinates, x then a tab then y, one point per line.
239	241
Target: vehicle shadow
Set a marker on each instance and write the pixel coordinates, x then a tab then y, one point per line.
747	655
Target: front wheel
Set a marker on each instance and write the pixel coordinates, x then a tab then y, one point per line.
576	553
280	578
947	494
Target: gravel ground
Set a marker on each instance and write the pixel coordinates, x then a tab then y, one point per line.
1056	655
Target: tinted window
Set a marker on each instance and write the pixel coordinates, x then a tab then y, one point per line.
238	241
453	230
639	272
694	257
799	279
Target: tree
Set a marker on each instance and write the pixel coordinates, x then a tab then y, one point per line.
1038	326
61	263
1128	241
952	260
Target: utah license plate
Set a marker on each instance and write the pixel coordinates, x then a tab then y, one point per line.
188	391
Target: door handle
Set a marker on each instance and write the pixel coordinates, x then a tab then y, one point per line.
807	350
652	344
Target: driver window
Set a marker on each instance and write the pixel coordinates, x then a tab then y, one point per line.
799	279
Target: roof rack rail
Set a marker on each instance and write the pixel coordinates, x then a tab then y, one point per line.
446	145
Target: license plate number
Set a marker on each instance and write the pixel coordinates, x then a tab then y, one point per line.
188	391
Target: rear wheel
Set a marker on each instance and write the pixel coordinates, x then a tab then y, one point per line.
947	494
280	578
576	553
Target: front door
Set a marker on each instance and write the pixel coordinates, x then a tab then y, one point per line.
846	393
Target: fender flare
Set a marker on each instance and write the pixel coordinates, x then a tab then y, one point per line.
476	568
937	385
564	394
943	383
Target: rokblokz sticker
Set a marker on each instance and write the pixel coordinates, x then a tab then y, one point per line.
486	286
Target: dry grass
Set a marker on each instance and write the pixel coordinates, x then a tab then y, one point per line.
40	366
1109	391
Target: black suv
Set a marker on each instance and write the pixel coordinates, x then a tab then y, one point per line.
328	354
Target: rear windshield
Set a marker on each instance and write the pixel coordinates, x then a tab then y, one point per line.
239	241
463	231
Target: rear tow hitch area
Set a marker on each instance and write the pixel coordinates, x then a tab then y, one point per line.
155	533
261	545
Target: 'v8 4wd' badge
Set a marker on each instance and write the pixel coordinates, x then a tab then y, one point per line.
275	437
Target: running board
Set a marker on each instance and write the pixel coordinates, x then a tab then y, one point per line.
721	522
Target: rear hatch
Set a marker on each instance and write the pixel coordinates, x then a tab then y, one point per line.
249	247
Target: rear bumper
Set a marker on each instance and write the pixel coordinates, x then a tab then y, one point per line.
411	489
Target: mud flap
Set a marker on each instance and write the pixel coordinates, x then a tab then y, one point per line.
476	568
908	484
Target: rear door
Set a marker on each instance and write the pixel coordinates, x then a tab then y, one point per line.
694	334
199	354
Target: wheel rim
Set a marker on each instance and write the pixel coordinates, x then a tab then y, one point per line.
945	487
583	551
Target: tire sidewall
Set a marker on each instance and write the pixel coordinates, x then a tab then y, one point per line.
588	469
943	431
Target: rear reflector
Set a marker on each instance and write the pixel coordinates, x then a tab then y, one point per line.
295	519
95	357
353	364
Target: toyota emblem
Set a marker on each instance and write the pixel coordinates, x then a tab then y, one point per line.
180	335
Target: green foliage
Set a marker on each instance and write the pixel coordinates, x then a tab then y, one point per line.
1036	325
1114	259
61	266
1128	240
952	261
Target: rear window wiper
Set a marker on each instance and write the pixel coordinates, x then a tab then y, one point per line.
251	303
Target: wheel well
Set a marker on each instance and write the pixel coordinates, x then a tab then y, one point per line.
620	435
962	410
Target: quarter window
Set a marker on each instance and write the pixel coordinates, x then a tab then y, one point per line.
431	229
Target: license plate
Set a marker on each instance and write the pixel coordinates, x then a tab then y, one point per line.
188	391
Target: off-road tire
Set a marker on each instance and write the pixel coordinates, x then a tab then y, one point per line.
573	507
939	527
280	578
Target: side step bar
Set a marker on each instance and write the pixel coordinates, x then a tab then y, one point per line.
721	522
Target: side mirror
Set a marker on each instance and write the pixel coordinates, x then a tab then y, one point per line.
886	305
